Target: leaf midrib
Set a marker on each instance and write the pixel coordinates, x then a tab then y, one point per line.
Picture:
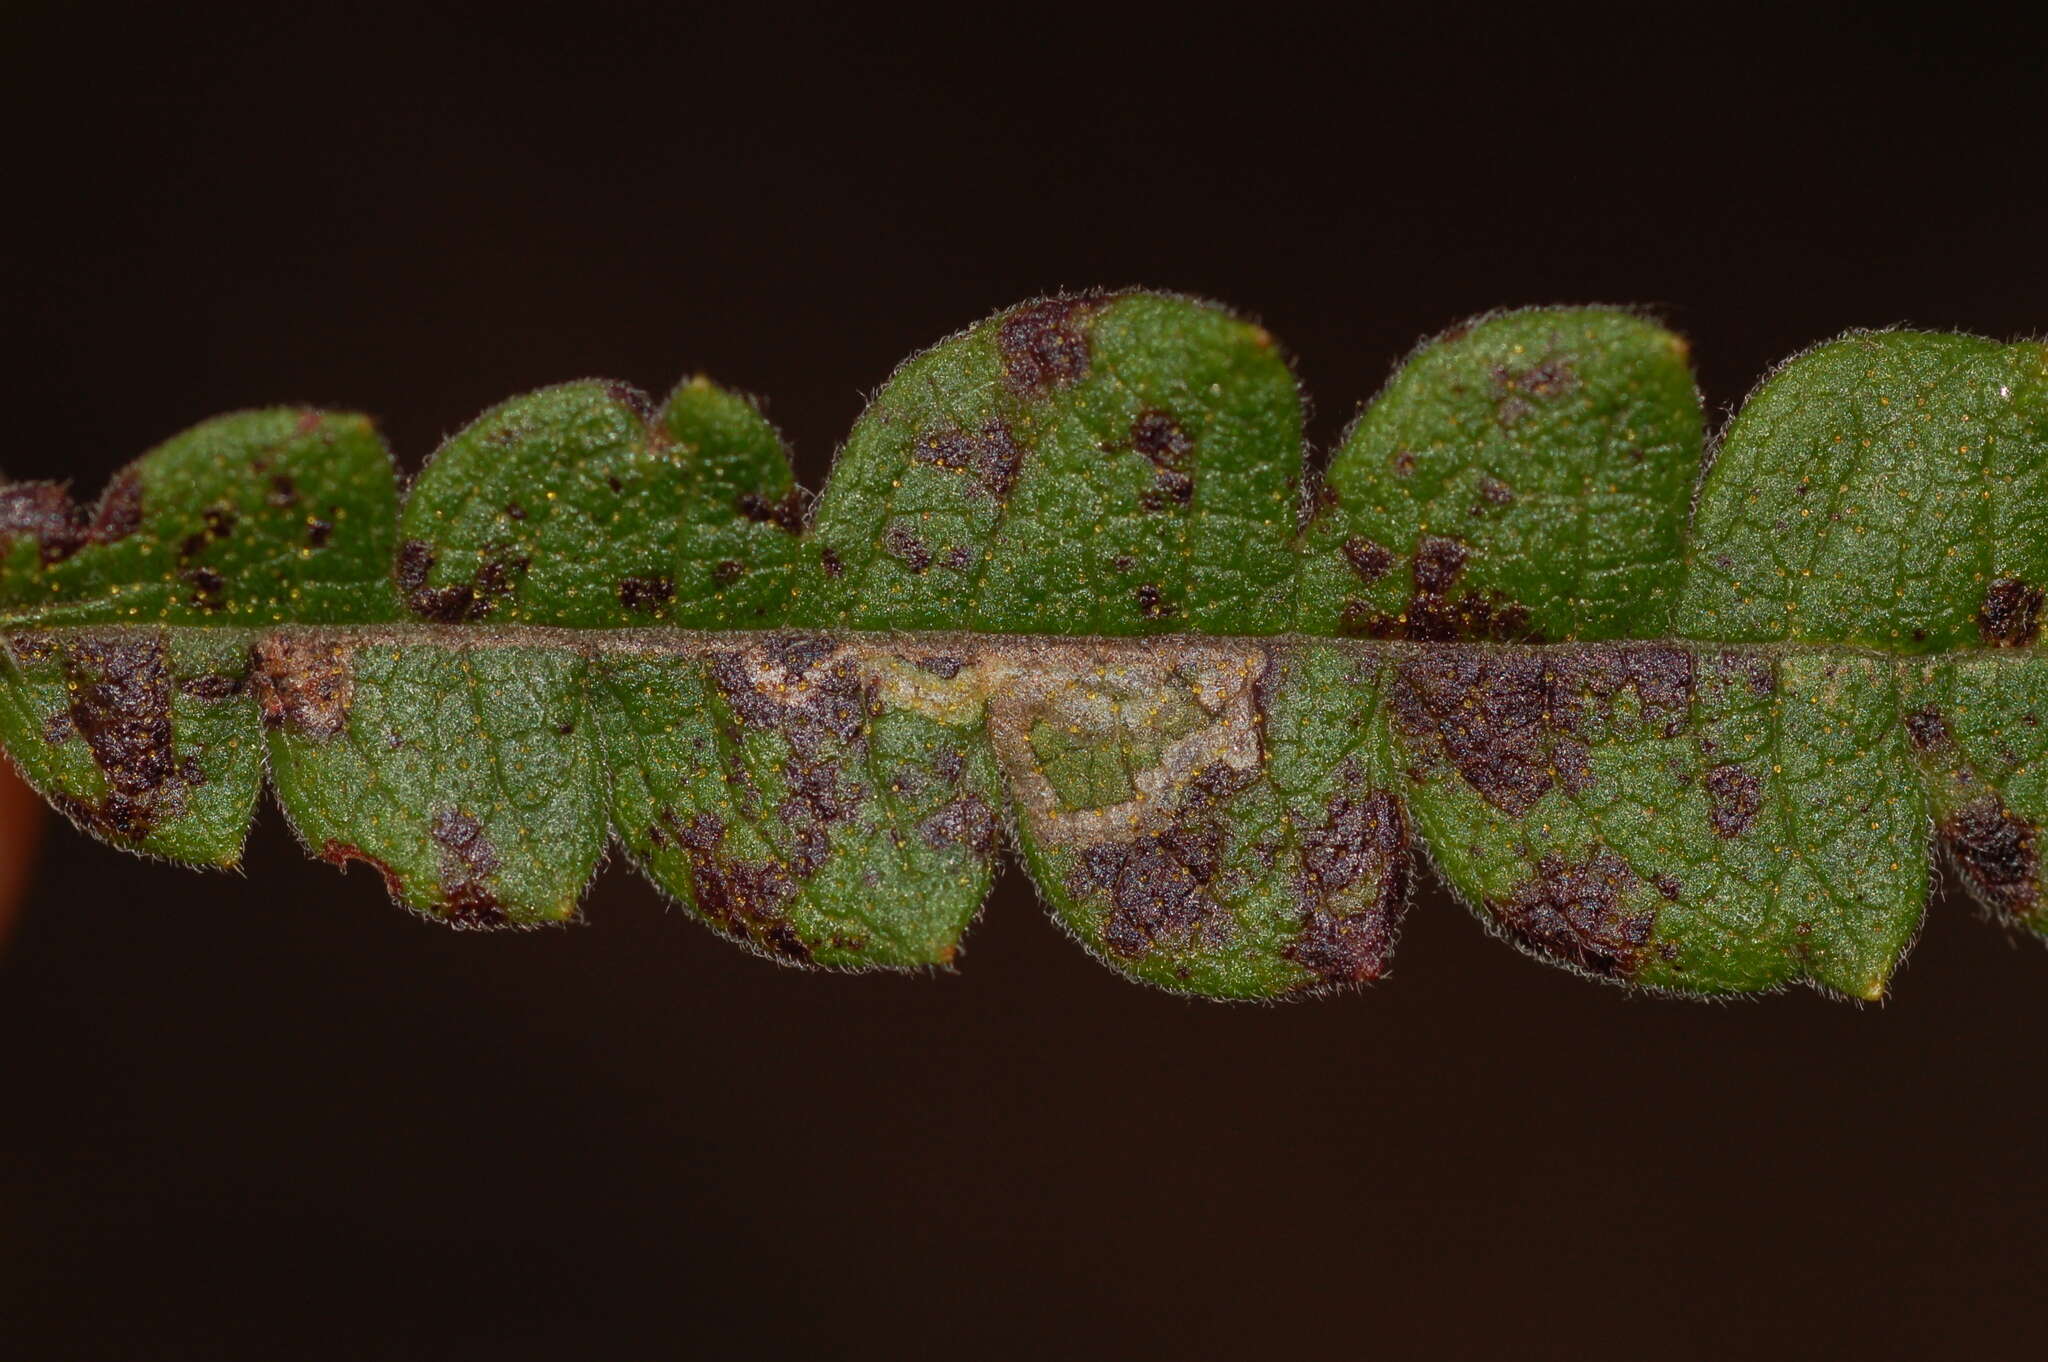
662	641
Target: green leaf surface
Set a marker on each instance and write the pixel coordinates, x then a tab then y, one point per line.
142	736
466	776
1690	819
1104	464
264	517
1523	477
1884	489
578	505
1213	818
1062	590
1976	725
824	805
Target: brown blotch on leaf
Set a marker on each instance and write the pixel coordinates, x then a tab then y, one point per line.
210	686
209	588
1157	436
828	559
302	685
1043	346
726	571
318	532
1735	795
990	455
1438	562
819	797
1273	673
1358	835
1662	677
900	542
794	685
631	398
45	513
1432	614
785	512
800	687
494	579
1483	713
1435	619
968	823
1927	730
1521	390
284	492
1513	723
1152	603
448	604
1575	912
2011	614
216	523
745	900
1170	487
1369	560
1157	883
459	602
468	860
1154	895
121	705
32	647
646	594
120	510
1347	938
1997	855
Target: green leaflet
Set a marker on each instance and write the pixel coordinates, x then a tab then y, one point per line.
1523	477
140	736
576	505
1145	447
1049	590
1976	726
1213	818
466	776
821	804
1694	820
1886	489
264	517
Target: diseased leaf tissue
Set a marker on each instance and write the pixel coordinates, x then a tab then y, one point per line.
1069	588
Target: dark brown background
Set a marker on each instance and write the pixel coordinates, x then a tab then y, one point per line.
270	1116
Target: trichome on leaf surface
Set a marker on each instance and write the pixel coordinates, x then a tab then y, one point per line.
1070	587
